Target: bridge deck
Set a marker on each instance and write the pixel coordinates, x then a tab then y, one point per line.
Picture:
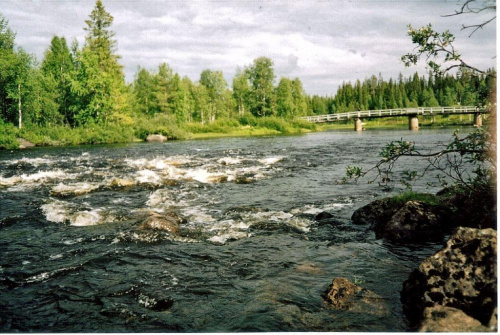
395	112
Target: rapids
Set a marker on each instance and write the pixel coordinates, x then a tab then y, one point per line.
250	257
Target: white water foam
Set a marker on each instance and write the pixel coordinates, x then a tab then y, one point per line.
223	238
33	161
198	215
73	189
148	177
56	211
204	176
38	177
62	211
86	218
229	161
271	160
165	198
75	241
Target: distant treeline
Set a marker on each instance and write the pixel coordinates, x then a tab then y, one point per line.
76	86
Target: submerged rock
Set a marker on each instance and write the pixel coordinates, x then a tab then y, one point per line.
243	209
344	295
238	212
310	269
323	216
121	182
462	276
156	138
169	222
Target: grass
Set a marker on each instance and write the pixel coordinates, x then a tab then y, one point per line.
249	125
401	199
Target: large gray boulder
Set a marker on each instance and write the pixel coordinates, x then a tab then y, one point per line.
461	276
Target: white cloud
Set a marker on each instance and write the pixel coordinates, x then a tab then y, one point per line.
323	42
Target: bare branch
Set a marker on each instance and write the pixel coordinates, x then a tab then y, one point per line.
478	26
486	6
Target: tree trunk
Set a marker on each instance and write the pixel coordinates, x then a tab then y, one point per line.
20	111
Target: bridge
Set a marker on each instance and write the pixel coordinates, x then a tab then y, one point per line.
411	113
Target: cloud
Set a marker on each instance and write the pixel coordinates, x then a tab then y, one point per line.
323	42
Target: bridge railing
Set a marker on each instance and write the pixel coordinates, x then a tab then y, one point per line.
394	112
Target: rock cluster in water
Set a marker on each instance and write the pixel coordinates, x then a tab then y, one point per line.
456	288
413	221
459	279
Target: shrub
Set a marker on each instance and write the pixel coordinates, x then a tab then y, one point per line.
159	124
8	136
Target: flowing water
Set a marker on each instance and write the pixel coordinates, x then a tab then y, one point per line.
75	258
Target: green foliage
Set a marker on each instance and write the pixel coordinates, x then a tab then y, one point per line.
395	149
222	126
290	98
466	89
241	91
261	78
357	280
8	136
275	123
159	124
65	135
98	85
468	162
438	50
55	79
251	124
431	44
403	198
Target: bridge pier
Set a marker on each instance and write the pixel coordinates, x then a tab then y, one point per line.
412	122
358	125
478	120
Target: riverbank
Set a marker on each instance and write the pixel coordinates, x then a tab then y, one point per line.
137	130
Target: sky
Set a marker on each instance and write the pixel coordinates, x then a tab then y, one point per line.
322	42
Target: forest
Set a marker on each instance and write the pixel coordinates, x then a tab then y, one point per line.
78	94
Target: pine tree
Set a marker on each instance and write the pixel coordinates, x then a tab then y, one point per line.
57	68
100	84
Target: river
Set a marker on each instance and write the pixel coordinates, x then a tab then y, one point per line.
251	257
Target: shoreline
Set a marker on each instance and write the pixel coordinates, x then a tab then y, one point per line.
30	137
